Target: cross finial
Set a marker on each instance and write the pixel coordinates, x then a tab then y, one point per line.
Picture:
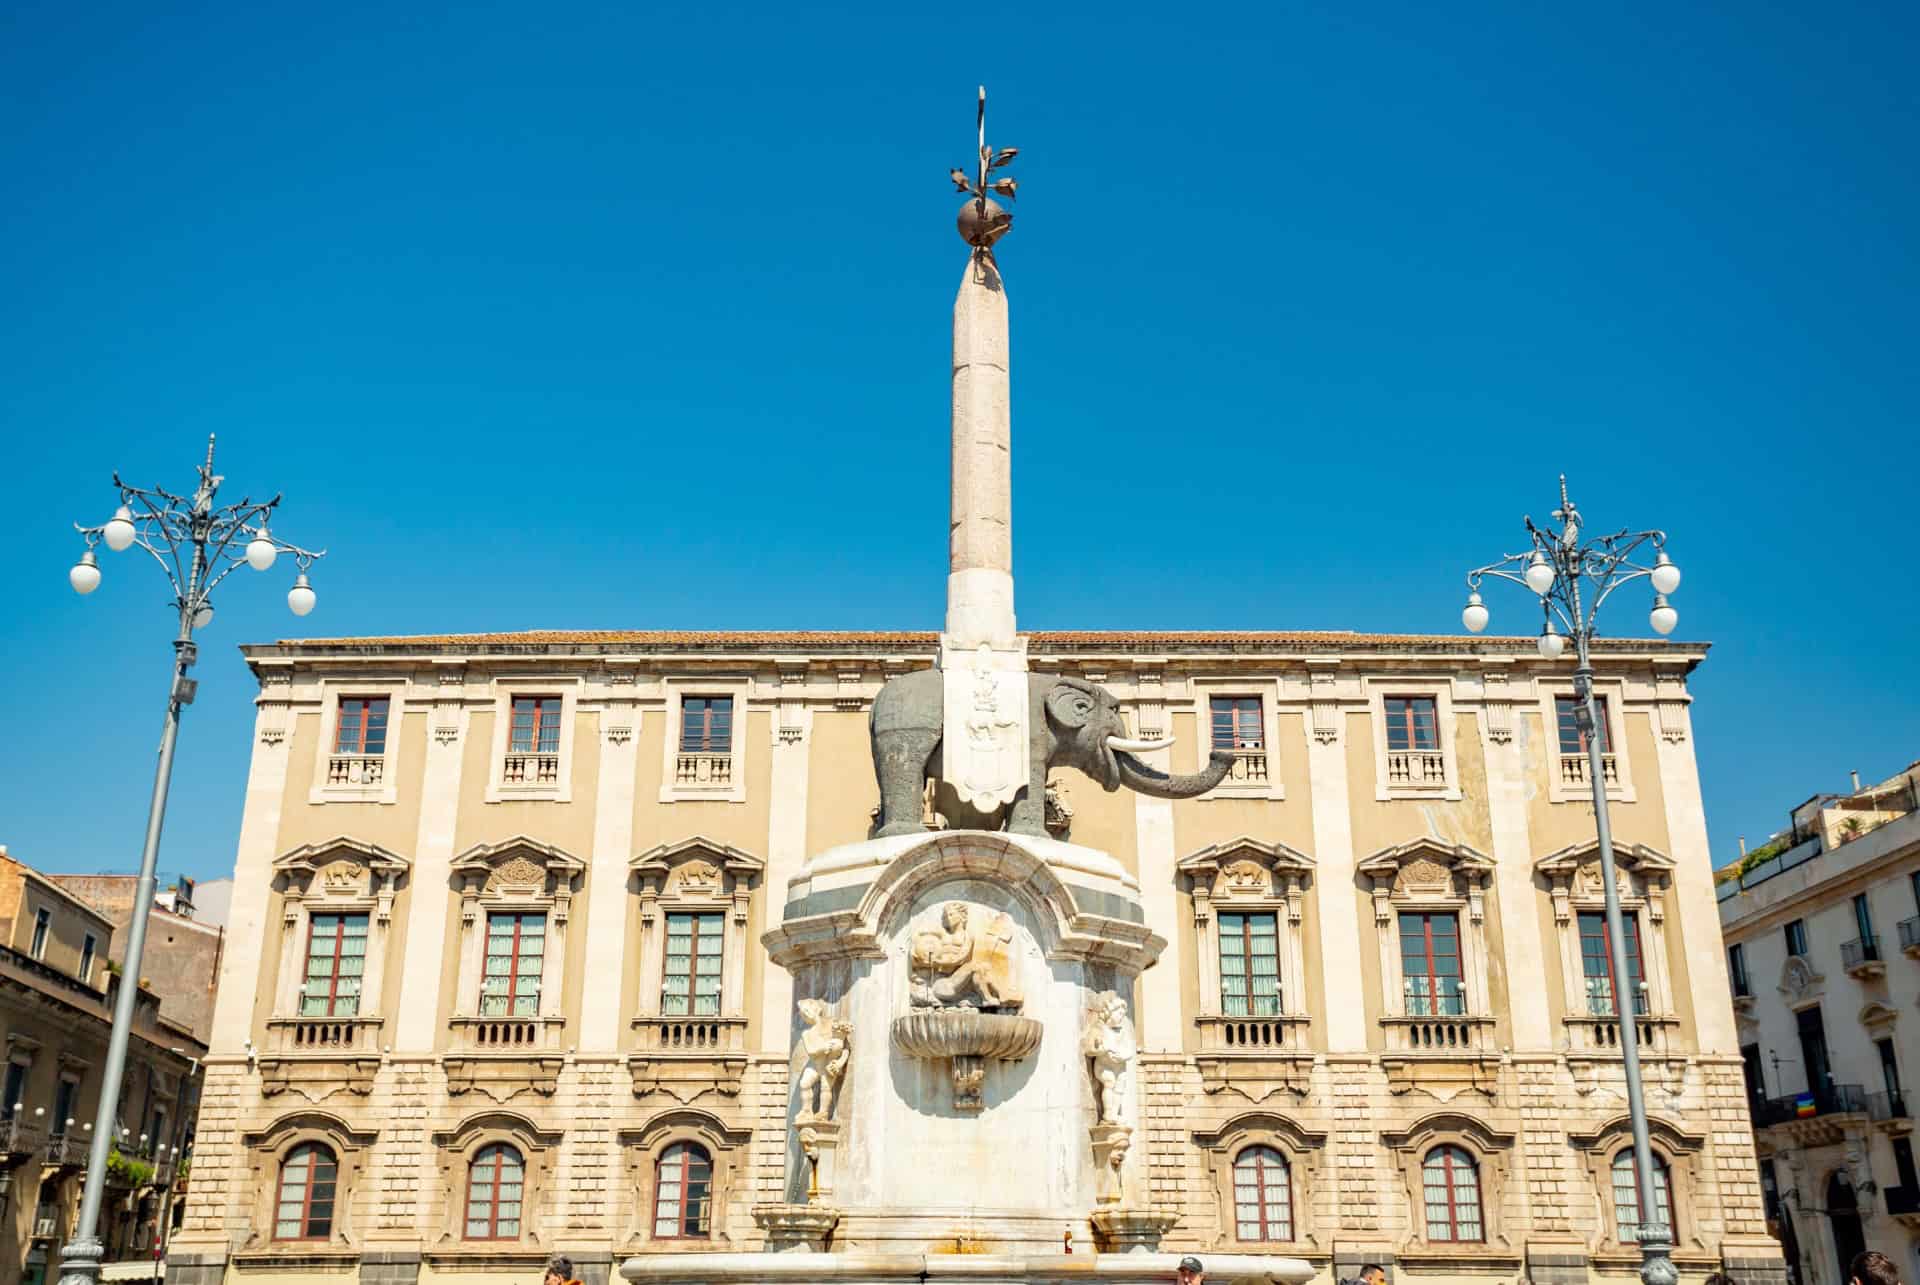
982	220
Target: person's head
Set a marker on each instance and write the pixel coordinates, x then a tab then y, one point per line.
1189	1272
559	1270
1871	1267
1373	1274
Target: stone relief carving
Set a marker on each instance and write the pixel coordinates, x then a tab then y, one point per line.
968	962
517	873
1245	876
827	1045
1109	1045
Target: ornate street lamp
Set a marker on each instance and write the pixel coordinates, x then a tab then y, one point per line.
197	546
1572	579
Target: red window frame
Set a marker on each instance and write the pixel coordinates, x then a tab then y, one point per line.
1437	1005
1566	718
1252	1000
496	1155
1663	1174
1238	723
1451	1159
333	978
1592	926
1274	1226
694	1165
703	926
706	725
320	1155
535	725
512	993
1404	730
353	730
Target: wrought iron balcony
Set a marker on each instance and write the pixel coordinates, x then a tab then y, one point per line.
1909	930
1838	1099
1861	957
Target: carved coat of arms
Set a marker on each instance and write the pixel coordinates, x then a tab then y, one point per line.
984	743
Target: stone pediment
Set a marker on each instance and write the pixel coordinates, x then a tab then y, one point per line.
1246	867
1798	980
1574	862
696	866
517	867
1427	869
1875	1014
338	867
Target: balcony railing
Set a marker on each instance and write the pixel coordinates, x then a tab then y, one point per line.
696	770
1416	767
1278	1034
506	1034
1573	770
691	1034
1249	766
356	769
1455	1034
324	1034
1838	1099
67	1150
1891	1105
1861	952
1601	1034
1909	930
19	1136
530	769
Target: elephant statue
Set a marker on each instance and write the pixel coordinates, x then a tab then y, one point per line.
1072	723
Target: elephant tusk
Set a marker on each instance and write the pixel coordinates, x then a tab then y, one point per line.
1138	747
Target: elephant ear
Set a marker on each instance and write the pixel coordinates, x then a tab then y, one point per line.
1071	704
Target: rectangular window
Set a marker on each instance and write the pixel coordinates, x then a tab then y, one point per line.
1863	917
1597	963
15	1090
1250	965
1813	1050
87	947
1889	1066
1237	723
1750	1067
694	946
159	1129
336	961
362	728
42	924
1412	723
1913	881
516	948
1572	739
64	1099
535	725
1797	937
706	725
1430	965
1903	1163
1737	970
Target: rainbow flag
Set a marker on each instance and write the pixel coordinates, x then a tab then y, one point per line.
1803	1105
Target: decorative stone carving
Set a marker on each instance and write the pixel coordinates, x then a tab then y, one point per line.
517	873
1133	1231
968	962
1111	1143
1109	1045
827	1044
796	1229
969	1037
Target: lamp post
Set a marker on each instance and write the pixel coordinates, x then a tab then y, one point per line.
197	546
1555	569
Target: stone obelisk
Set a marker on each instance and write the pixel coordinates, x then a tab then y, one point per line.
985	737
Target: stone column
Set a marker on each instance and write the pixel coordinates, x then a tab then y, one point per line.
416	1029
980	536
606	926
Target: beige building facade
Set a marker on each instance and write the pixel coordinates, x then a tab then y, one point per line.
1822	927
495	984
57	991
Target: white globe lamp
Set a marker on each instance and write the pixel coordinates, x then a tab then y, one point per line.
261	551
1539	573
1474	614
1552	643
119	531
84	575
1663	617
301	598
1666	576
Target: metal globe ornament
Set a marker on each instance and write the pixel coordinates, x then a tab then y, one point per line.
982	222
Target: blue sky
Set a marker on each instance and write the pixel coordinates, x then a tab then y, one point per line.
596	316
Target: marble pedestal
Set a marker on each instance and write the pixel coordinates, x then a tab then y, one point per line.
968	1126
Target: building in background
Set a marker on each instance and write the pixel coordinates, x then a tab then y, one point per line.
495	983
1822	927
57	990
181	961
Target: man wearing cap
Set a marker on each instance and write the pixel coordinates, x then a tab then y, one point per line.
1189	1272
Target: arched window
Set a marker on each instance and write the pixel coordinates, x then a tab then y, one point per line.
682	1192
1452	1188
1262	1195
495	1184
304	1209
1626	1195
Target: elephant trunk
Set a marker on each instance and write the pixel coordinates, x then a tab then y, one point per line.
1137	776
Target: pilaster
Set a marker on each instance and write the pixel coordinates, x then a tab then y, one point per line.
1693	891
253	873
1345	1002
416	1028
620	725
1528	1013
786	841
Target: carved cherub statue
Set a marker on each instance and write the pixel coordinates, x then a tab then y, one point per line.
1108	1042
827	1044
